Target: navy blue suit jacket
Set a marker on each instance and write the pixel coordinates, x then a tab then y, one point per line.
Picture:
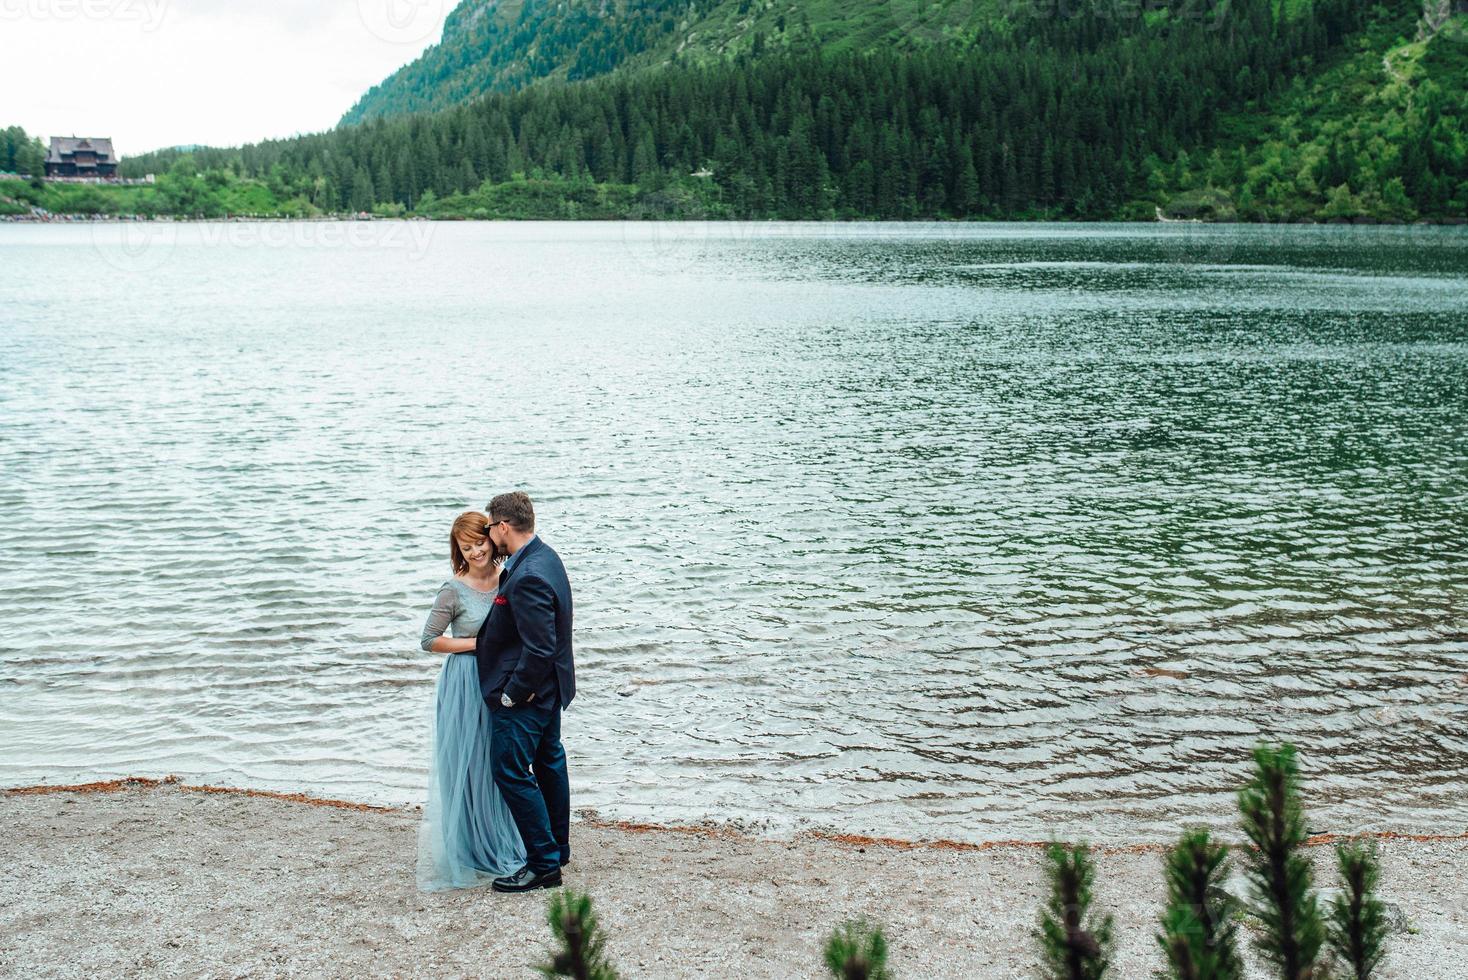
524	644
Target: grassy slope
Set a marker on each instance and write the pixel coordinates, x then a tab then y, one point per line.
228	196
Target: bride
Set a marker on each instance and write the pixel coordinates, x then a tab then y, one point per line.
467	837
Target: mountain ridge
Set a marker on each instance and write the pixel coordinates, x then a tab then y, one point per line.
499	46
1322	112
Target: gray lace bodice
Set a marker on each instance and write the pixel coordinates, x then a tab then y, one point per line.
458	610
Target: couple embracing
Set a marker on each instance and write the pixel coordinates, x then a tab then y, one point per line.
499	798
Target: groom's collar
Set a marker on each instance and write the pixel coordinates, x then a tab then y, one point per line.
514	559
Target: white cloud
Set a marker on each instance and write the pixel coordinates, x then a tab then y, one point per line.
154	73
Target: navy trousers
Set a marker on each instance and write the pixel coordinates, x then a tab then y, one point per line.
539	799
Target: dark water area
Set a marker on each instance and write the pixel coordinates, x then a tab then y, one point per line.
966	531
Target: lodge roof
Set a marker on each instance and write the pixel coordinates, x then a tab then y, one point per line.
64	146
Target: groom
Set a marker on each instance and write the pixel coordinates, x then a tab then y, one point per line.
527	677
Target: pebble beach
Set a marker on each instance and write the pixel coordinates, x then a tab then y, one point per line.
159	878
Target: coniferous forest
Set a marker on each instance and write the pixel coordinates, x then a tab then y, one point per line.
1235	109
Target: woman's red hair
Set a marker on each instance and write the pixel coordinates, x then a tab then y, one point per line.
471	525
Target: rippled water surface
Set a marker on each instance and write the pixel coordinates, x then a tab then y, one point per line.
975	532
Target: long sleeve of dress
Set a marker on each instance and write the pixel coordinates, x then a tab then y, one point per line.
445	606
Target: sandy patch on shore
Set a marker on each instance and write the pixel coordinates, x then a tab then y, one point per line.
166	879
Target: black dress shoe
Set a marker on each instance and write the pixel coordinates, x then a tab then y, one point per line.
526	880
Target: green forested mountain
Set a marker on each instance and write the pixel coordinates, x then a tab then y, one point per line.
1328	109
1379	132
498	46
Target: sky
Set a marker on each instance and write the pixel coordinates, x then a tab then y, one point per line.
156	73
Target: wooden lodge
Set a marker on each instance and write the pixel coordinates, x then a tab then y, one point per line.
80	156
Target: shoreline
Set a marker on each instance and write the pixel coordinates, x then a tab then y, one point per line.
590	818
66	218
163	877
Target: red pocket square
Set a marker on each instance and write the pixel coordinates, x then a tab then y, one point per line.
500	600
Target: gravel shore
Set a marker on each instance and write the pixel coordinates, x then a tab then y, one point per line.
166	879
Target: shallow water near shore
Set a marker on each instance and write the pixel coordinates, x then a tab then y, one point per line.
976	532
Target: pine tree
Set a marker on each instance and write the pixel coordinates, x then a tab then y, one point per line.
20	153
966	191
1278	870
579	939
1198	934
857	951
362	190
1074	943
1357	916
465	179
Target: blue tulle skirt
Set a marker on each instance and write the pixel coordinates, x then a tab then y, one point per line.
468	836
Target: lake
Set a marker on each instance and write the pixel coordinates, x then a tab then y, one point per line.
922	530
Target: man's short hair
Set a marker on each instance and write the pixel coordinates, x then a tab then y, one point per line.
515	509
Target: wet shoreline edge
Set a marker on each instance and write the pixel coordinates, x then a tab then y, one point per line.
712	830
